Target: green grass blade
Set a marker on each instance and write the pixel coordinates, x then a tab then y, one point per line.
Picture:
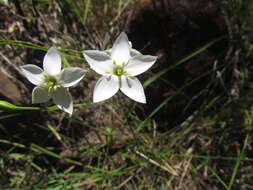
23	44
40	47
7	106
219	178
12	143
42	150
194	53
237	164
9	115
86	11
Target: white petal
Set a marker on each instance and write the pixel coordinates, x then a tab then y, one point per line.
108	52
105	88
121	49
33	73
71	76
52	62
40	95
139	64
63	100
134	52
130	44
132	88
99	61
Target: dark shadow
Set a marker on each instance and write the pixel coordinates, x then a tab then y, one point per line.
172	36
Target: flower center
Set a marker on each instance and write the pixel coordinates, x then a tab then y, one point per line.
119	71
51	83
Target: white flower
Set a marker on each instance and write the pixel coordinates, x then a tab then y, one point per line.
52	82
119	66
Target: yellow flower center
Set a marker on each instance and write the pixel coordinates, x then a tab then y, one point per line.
51	83
119	71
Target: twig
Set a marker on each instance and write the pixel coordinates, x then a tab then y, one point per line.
16	68
167	168
10	63
130	177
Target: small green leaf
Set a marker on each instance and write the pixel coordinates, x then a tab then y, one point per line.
16	155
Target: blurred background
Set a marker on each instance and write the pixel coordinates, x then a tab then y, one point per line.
195	132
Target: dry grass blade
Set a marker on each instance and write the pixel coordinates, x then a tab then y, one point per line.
165	166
